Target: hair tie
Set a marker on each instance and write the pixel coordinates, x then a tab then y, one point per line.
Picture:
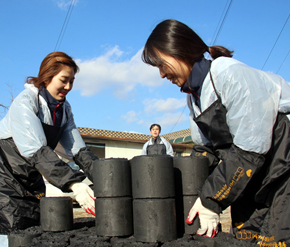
208	49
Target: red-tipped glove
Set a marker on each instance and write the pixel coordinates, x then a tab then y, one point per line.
84	195
209	220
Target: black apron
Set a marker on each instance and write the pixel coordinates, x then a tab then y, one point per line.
260	207
21	184
52	134
156	148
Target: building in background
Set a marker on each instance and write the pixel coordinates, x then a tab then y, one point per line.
114	144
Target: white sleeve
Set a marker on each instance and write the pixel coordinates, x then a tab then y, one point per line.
24	125
169	150
144	149
251	99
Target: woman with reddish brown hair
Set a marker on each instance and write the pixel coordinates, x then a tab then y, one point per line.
239	119
37	134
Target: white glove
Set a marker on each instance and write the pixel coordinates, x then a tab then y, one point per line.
84	195
209	220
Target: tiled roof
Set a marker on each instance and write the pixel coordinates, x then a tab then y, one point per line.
112	134
177	134
109	134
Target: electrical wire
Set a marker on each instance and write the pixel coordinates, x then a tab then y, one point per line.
177	119
283	62
276	41
64	26
219	27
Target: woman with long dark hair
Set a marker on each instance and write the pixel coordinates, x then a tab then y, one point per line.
239	117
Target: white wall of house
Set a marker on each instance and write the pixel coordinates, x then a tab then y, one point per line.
117	149
127	149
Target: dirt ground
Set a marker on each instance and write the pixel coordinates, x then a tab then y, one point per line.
225	217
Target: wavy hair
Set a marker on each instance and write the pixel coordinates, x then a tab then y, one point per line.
51	65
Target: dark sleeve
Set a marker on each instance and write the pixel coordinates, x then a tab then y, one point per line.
56	171
85	159
200	150
228	180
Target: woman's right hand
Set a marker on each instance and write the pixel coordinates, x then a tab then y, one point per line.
209	220
84	195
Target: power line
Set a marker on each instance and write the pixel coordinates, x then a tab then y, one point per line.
283	62
219	27
222	23
64	26
178	119
276	41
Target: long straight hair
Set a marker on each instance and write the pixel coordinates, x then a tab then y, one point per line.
176	39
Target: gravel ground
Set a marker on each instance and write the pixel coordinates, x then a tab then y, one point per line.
83	234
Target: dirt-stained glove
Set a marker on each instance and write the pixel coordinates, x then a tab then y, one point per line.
209	220
84	195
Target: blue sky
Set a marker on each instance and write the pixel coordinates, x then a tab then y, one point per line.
115	90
